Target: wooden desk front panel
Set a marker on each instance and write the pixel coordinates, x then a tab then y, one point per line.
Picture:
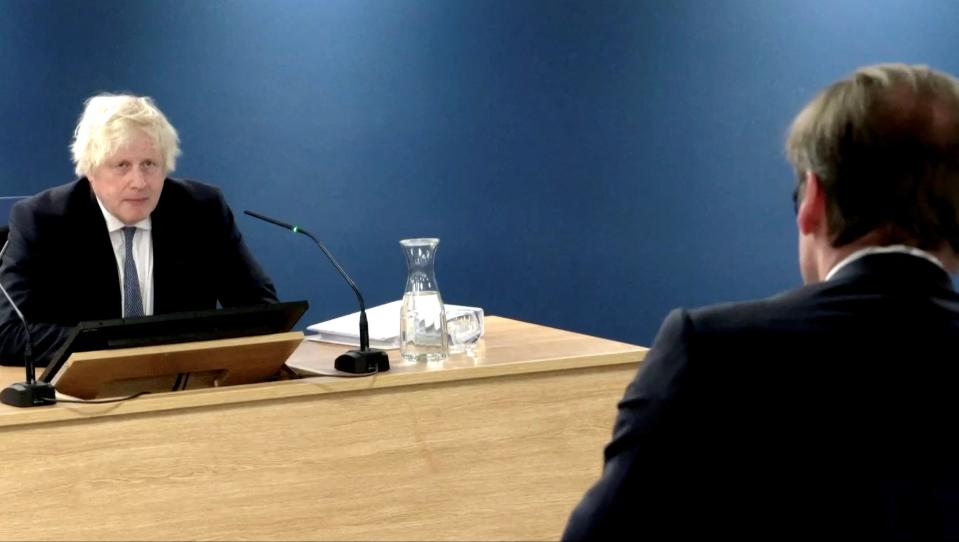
502	458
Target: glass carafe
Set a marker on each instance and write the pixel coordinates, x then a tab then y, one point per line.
422	317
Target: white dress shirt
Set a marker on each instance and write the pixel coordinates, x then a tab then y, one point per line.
902	249
142	255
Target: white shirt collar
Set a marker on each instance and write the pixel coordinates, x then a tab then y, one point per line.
115	224
901	249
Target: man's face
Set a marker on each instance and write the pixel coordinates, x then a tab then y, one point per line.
810	223
808	266
129	181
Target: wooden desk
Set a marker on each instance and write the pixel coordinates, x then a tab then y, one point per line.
496	447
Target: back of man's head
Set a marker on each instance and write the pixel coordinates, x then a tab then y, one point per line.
884	144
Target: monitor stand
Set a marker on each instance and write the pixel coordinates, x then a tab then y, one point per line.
222	362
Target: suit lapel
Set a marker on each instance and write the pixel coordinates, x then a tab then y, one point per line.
166	257
103	284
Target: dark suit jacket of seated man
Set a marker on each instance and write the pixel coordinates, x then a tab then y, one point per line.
828	411
60	266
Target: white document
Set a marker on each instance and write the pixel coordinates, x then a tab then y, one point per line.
384	326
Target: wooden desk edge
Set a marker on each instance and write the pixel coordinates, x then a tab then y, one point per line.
303	387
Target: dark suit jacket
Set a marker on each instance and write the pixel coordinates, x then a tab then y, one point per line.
826	412
60	266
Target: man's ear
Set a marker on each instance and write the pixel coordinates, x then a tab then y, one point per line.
811	217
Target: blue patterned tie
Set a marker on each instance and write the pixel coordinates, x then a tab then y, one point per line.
132	302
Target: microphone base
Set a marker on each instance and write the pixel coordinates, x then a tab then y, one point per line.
22	394
363	361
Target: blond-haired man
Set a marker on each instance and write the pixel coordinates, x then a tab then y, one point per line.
124	239
826	411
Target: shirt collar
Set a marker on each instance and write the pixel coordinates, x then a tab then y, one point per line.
891	249
115	224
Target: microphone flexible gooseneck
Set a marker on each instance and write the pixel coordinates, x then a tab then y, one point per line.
29	393
366	359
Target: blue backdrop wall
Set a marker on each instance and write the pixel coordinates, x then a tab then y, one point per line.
587	164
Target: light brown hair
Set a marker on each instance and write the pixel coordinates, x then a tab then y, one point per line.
884	144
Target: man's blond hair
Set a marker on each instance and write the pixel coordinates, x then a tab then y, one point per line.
107	123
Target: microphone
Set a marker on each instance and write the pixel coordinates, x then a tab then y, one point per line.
29	393
366	359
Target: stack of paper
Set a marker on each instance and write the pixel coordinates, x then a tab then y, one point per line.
384	327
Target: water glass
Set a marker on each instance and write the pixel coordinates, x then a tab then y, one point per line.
464	326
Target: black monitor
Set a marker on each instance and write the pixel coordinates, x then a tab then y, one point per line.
177	327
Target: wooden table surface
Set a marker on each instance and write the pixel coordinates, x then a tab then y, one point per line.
498	446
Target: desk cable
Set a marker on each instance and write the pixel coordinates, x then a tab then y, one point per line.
97	401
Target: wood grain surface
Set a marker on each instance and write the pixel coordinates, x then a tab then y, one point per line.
496	447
